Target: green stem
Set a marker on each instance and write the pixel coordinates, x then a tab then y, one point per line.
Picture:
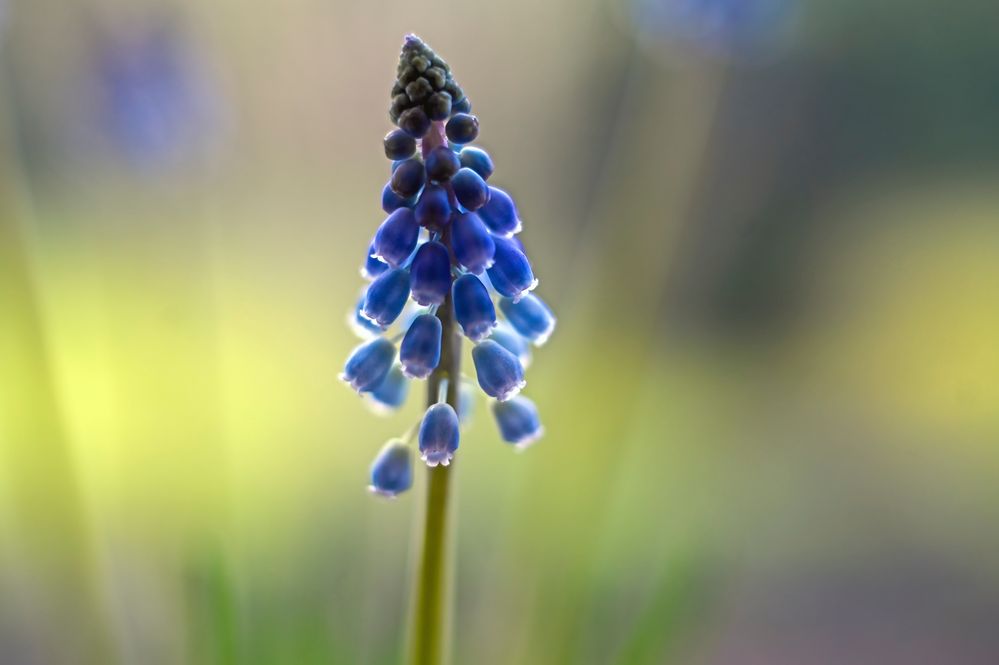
430	612
430	618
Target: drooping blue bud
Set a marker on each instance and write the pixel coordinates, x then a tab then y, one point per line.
439	435
462	128
362	327
420	351
511	273
433	208
391	393
499	372
414	122
399	145
518	421
509	339
408	177
396	238
500	213
392	201
442	164
472	243
478	160
369	364
470	189
386	297
530	317
372	266
473	308
431	274
392	470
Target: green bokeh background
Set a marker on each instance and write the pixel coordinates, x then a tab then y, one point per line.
772	403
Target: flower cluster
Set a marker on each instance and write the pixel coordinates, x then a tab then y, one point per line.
438	265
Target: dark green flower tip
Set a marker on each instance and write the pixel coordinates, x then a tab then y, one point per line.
423	81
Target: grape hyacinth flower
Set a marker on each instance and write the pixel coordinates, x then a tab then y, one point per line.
720	27
433	210
155	103
511	273
471	243
392	470
373	267
396	237
420	351
391	393
518	421
392	201
369	364
362	326
500	373
506	336
473	307
500	213
476	159
446	253
386	297
431	274
439	435
530	317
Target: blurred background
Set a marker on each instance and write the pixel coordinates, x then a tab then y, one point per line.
770	229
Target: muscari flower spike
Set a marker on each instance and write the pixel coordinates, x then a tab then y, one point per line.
437	266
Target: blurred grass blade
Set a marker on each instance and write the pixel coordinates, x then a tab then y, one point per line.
50	534
676	610
212	612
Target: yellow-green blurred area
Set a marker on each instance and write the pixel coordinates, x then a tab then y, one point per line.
769	228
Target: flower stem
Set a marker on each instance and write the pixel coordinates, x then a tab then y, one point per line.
430	611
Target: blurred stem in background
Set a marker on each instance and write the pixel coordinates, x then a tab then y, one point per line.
671	116
47	530
430	612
